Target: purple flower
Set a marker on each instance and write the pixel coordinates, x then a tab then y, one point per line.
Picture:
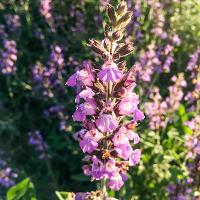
133	136
7	174
115	182
138	115
78	115
89	107
106	123
135	157
8	57
128	104
120	137
45	9
86	94
109	73
36	140
13	22
72	80
88	144
83	77
97	170
89	141
123	150
110	167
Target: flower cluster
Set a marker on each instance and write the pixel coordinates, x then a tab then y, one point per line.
8	56
46	9
189	188
49	78
7	174
157	109
175	92
179	192
156	59
79	24
134	27
59	112
105	97
194	68
192	145
94	195
13	22
36	140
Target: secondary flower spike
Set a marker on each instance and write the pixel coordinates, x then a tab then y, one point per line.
105	98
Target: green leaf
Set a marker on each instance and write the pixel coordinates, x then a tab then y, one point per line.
181	110
62	195
22	191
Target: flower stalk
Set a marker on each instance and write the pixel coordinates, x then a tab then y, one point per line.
105	98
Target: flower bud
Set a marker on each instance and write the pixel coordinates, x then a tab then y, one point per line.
125	19
117	35
111	14
121	92
122	65
122	8
97	47
107	31
116	56
125	50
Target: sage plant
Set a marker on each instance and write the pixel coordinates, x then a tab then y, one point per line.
104	101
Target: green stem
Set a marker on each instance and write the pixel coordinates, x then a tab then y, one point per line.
103	188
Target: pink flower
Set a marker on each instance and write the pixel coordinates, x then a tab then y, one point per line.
89	107
72	80
128	104
97	168
90	140
79	135
78	115
135	157
86	170
85	77
115	182
120	137
88	145
84	109
110	167
124	150
86	94
106	123
133	136
138	115
109	73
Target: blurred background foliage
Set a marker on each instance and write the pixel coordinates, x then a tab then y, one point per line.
42	42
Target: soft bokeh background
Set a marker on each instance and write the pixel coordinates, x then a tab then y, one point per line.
42	42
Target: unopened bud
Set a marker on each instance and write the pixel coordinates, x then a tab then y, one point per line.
122	65
122	8
117	35
111	14
116	56
125	50
122	91
125	19
97	47
107	31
